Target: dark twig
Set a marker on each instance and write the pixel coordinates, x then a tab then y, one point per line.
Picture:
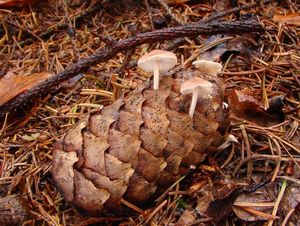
108	52
218	15
174	18
18	26
169	12
129	52
70	30
126	61
149	14
5	65
236	10
108	40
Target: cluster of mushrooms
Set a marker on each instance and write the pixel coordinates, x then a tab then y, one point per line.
158	61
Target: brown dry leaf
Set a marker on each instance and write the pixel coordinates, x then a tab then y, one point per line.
216	201
263	202
247	106
290	19
291	200
221	47
221	207
15	2
213	48
12	85
13	210
187	218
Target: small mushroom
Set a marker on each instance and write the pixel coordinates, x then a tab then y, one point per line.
198	87
208	67
157	61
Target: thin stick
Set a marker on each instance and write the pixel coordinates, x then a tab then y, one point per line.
131	206
149	14
282	190
287	217
155	211
248	151
256	204
169	12
237	9
259	213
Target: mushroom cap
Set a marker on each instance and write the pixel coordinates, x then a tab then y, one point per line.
196	82
165	59
208	67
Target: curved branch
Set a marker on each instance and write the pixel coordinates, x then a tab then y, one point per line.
106	53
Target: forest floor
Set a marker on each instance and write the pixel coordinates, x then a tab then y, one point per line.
254	181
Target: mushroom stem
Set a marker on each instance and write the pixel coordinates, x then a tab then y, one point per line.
194	102
156	77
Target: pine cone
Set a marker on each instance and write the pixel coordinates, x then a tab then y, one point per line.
137	146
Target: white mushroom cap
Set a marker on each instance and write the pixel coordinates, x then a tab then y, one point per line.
156	61
199	88
196	82
208	67
165	59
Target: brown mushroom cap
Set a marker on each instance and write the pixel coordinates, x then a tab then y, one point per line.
165	59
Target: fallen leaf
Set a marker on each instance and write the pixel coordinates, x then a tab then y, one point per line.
12	85
257	201
245	105
187	218
290	201
15	2
214	47
263	201
222	206
244	45
13	210
221	48
290	19
216	202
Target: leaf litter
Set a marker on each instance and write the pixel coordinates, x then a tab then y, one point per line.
12	85
268	145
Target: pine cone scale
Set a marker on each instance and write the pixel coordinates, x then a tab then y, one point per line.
93	152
